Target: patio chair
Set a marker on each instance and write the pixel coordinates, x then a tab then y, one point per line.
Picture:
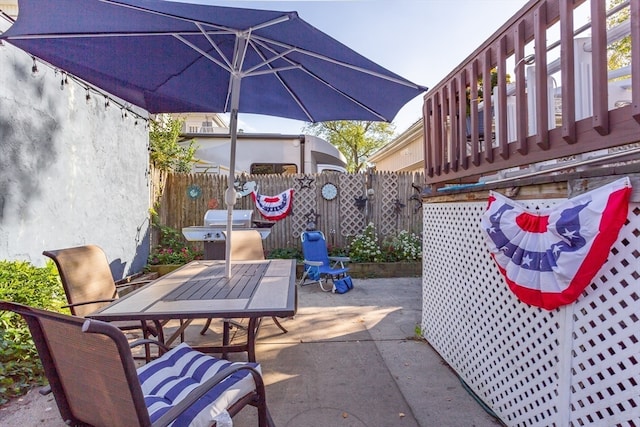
89	286
319	267
246	245
94	380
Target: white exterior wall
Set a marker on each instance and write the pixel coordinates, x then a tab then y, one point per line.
72	172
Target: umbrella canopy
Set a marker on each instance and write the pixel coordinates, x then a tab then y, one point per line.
170	57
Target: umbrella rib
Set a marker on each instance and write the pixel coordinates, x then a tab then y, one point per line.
203	53
214	44
400	81
318	78
282	82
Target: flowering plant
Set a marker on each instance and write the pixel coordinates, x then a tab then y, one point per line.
404	247
364	247
172	249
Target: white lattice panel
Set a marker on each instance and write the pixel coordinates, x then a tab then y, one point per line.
305	202
351	186
388	196
605	373
531	366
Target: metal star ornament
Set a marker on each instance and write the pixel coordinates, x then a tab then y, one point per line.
305	181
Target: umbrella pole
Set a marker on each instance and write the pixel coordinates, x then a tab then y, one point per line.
230	195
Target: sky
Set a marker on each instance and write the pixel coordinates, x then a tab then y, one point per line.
421	40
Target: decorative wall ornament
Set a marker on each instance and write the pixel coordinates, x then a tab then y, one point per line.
548	257
305	181
360	202
312	220
398	206
194	192
244	188
417	197
329	191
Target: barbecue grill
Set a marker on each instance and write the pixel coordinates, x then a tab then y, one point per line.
215	223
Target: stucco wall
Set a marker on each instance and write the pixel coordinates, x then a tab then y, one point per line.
72	172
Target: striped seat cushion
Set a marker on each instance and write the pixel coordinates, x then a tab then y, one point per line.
169	379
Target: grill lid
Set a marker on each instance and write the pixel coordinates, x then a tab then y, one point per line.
218	218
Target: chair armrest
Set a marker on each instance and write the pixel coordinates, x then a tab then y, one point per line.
88	302
339	260
173	413
143	341
313	263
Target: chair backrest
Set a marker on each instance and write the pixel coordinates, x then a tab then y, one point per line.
85	275
246	245
314	247
89	367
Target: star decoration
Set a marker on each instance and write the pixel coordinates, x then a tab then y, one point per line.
526	260
311	219
305	181
569	234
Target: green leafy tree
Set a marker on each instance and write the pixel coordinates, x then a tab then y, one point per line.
618	52
164	151
357	140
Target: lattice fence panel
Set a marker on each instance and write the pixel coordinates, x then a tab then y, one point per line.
388	194
351	187
606	338
305	203
519	359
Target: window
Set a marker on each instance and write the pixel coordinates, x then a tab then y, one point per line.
273	168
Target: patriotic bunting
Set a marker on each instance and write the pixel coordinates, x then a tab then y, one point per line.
274	208
548	257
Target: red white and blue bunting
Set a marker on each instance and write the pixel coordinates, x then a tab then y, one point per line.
274	208
548	257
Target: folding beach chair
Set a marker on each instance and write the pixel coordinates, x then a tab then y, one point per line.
319	267
95	382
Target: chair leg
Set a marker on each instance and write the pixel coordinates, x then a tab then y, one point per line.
282	328
322	287
205	328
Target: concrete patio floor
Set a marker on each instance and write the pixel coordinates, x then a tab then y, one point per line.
347	360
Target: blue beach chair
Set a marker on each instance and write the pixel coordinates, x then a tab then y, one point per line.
319	267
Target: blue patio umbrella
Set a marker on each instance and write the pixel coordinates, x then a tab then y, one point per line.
171	57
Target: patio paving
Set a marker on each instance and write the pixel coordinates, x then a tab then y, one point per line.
348	360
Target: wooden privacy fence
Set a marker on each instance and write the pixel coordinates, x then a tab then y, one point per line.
391	201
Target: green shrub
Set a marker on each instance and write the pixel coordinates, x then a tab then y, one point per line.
285	253
403	247
172	249
40	287
364	247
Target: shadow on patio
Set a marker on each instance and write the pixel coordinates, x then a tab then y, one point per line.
348	360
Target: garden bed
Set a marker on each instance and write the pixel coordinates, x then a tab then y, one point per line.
375	270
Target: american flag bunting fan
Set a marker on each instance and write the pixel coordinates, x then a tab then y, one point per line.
274	208
549	256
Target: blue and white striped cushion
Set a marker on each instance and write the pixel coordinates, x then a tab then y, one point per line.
168	379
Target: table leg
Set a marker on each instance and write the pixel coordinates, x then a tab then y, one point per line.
252	332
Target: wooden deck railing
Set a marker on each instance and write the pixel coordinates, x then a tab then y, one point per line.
553	94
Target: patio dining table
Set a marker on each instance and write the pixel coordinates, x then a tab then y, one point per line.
200	290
